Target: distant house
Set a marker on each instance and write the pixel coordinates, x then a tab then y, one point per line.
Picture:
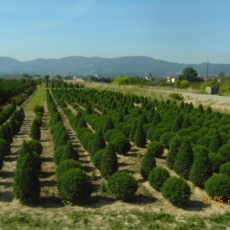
172	79
153	78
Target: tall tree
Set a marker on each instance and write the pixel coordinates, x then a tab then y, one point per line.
189	74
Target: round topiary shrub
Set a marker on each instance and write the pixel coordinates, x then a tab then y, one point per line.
155	148
218	185
122	185
147	164
4	148
157	177
176	190
201	168
35	146
121	144
224	150
225	169
75	186
38	108
65	166
217	160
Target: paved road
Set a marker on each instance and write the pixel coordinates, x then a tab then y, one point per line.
205	97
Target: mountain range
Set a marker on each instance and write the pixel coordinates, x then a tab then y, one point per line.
106	67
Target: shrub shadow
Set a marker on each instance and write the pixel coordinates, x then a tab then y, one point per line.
6	196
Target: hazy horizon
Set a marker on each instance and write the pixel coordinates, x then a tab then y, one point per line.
190	32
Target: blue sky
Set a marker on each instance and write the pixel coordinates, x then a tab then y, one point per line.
182	31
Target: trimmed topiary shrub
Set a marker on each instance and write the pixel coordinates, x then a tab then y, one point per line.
97	158
174	145
75	186
225	169
201	168
109	163
184	160
35	132
217	160
99	142
108	125
34	146
26	182
65	166
176	190
147	164
155	148
4	148
177	123
224	150
165	138
122	185
215	142
157	177
204	140
69	153
218	185
58	153
139	136
38	108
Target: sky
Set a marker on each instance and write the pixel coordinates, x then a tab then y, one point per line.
181	31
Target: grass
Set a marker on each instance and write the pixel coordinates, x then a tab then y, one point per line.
114	219
37	98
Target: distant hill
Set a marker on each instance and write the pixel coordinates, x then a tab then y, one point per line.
107	67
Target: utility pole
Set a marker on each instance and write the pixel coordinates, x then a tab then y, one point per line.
207	68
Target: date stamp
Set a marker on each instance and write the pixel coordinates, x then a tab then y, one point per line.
218	200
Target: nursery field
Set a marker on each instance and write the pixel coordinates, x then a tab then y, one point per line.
101	159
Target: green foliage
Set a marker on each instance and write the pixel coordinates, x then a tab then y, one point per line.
35	132
186	122
26	182
99	142
34	146
176	96
1	161
155	148
109	163
122	185
178	123
201	168
38	108
224	150
225	169
215	142
189	74
184	160
147	164
165	138
64	166
204	141
75	186
108	125
156	119
97	158
4	148
157	177
176	190
139	136
174	145
69	153
217	160
218	185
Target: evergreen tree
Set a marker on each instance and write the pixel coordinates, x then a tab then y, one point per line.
109	163
139	136
147	164
184	160
201	168
99	142
215	142
200	109
108	125
35	131
150	115
69	153
133	130
178	123
26	182
156	119
174	145
186	122
209	110
182	105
